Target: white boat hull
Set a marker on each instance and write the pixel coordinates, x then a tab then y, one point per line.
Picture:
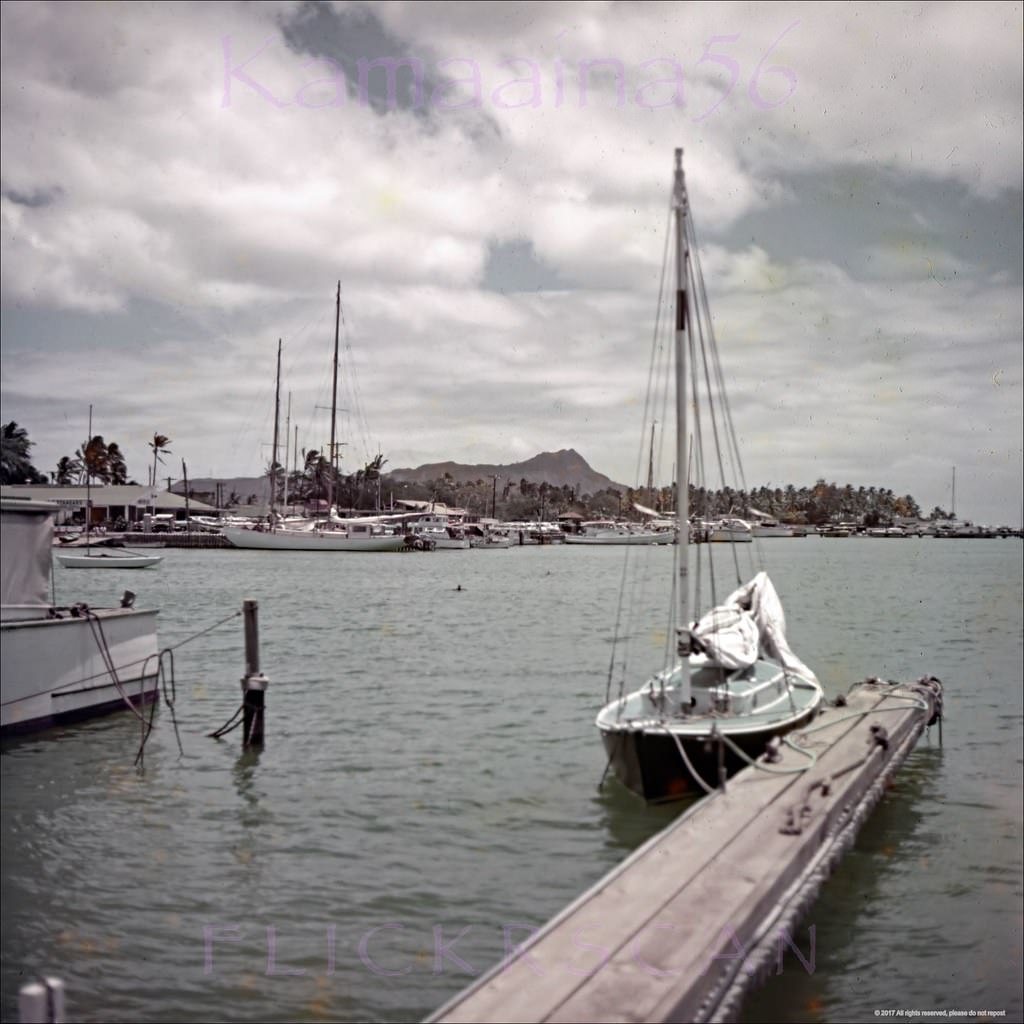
779	531
317	540
729	536
107	560
619	538
492	541
54	670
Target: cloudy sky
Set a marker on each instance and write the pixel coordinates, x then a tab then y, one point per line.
184	184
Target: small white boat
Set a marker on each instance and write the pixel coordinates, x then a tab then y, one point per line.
606	531
730	531
438	532
106	558
488	537
768	526
102	555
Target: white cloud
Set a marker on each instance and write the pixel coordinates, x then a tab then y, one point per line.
132	190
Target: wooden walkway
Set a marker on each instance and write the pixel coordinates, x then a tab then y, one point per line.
683	928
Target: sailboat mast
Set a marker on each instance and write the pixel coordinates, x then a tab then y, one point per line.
334	402
277	426
287	439
650	468
88	484
683	487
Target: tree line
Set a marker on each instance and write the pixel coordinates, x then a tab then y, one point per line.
370	489
95	459
815	505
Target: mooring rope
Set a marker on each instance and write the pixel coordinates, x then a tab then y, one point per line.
166	680
230	725
929	701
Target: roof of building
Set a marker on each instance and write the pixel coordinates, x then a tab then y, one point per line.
105	495
429	506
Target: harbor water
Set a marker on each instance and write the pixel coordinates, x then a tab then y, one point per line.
428	792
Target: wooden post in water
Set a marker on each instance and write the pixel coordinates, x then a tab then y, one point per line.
42	1002
188	512
254	683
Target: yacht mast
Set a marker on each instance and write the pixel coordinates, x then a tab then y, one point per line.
287	440
277	426
334	404
683	487
88	484
650	469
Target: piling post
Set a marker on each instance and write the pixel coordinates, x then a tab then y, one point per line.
721	758
42	1002
254	683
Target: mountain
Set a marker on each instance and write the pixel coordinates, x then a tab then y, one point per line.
564	468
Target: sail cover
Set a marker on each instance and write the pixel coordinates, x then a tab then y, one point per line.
749	621
26	539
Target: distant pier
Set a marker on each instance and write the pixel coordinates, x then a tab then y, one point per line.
685	927
176	540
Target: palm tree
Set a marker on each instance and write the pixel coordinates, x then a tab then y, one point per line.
275	474
116	465
317	471
15	464
372	471
68	470
95	459
159	445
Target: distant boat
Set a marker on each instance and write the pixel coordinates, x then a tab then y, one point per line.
730	530
488	535
106	558
102	557
769	526
370	534
733	683
835	531
60	664
437	532
606	531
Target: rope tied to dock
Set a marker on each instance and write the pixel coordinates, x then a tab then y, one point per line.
929	690
927	696
166	679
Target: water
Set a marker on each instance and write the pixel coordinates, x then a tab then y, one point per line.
431	771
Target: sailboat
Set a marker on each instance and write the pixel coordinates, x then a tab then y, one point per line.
102	556
732	685
368	533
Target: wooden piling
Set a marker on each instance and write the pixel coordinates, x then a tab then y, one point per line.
254	683
42	1002
684	927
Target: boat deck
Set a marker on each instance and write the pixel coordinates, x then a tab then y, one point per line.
688	923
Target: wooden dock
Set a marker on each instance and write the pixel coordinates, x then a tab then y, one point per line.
693	919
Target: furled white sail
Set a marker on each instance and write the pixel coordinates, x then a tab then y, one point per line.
750	619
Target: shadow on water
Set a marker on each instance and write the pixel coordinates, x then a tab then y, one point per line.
628	821
852	911
244	774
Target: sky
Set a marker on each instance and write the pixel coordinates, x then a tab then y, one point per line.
184	184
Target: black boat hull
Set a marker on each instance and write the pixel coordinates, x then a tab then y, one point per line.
648	762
